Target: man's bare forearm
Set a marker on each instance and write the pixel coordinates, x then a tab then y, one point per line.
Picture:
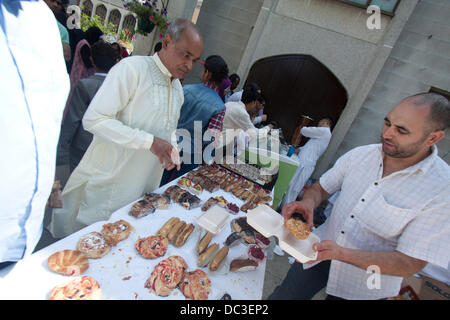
390	263
315	194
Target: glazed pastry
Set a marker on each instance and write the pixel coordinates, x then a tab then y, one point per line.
93	245
152	247
82	288
196	285
166	276
116	232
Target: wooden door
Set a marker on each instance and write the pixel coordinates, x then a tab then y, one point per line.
294	85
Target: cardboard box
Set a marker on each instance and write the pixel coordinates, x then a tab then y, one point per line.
424	288
434	290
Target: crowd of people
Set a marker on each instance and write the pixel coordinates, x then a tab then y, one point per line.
118	121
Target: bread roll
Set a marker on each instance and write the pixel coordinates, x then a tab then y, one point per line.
204	242
184	235
218	258
165	229
176	230
68	262
206	256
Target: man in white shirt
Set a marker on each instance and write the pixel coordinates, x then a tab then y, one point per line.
133	118
307	157
391	217
237	121
34	88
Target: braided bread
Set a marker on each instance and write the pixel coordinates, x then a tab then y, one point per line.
68	262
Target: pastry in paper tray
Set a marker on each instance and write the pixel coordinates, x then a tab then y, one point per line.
270	223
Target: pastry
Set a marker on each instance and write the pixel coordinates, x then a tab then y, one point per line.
81	288
248	236
243	265
298	228
240	224
142	208
159	201
152	247
233	239
255	253
165	229
207	255
196	285
232	208
68	262
116	232
176	230
204	242
184	235
262	241
197	188
93	245
184	182
209	203
189	201
222	201
218	259
166	276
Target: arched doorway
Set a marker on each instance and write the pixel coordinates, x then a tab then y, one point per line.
114	18
101	11
86	7
294	85
129	22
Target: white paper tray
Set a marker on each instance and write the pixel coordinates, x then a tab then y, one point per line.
270	223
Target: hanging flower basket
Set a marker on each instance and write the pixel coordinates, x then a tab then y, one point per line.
145	26
149	15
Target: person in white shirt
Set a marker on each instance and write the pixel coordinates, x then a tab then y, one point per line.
237	121
391	217
307	157
133	118
34	88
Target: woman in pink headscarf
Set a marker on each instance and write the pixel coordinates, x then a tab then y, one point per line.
82	65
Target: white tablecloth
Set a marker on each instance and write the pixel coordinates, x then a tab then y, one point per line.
122	272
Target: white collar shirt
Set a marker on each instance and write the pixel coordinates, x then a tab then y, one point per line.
34	90
407	211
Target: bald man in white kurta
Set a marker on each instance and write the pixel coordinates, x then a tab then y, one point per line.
137	102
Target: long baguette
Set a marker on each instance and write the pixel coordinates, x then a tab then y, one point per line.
218	258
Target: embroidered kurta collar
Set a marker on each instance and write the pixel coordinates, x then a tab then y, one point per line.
161	66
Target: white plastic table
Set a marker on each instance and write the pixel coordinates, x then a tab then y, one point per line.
122	272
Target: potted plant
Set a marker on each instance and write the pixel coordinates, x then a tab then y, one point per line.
149	15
